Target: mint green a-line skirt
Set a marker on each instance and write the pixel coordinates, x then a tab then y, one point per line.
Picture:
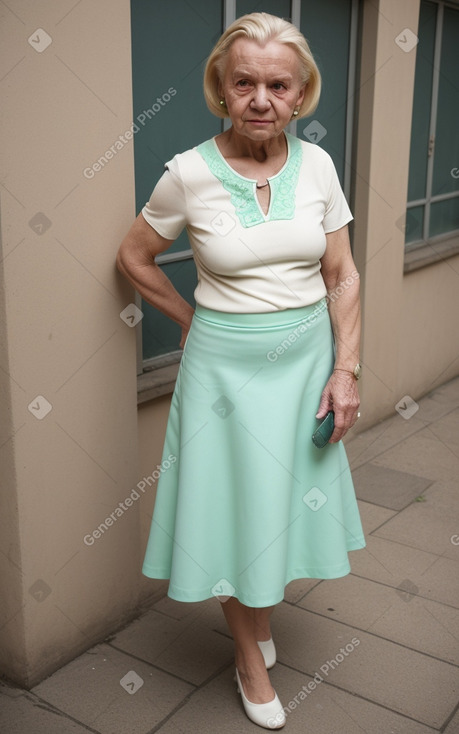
245	501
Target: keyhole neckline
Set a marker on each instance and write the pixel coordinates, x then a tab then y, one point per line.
254	180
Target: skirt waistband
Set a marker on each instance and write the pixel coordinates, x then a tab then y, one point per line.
266	319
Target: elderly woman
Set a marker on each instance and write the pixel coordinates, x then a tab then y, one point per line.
272	347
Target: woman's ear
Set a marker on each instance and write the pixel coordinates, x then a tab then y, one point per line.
301	94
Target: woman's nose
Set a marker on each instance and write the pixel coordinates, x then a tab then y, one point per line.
260	98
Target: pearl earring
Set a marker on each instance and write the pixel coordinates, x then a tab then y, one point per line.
223	103
295	112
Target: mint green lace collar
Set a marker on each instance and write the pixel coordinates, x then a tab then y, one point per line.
243	190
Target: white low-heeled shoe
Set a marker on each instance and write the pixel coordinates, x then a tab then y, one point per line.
268	649
268	715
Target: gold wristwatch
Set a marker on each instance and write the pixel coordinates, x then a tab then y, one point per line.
356	372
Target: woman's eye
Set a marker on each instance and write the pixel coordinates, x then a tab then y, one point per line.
242	83
278	86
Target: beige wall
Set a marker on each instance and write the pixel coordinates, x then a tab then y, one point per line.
384	121
62	336
65	341
429	328
400	312
410	336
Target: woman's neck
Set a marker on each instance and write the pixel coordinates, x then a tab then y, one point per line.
233	145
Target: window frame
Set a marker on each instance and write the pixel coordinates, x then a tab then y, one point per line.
430	249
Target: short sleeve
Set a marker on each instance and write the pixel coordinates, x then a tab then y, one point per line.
166	209
337	212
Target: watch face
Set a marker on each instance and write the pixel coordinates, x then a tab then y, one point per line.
357	371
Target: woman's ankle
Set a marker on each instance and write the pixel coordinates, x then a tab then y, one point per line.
249	660
263	636
254	679
262	625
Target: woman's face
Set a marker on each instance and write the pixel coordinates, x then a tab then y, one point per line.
261	87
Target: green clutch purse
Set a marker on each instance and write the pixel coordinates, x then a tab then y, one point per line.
323	432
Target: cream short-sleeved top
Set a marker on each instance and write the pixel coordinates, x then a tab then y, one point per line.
248	261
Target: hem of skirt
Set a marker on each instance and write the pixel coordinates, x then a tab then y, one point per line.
196	595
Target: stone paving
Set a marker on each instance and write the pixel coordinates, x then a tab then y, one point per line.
376	652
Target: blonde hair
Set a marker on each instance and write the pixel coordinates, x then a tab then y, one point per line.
262	27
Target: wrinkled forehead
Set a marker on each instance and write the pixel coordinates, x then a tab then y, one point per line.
251	57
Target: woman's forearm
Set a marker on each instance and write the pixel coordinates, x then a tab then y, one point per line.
344	312
155	288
